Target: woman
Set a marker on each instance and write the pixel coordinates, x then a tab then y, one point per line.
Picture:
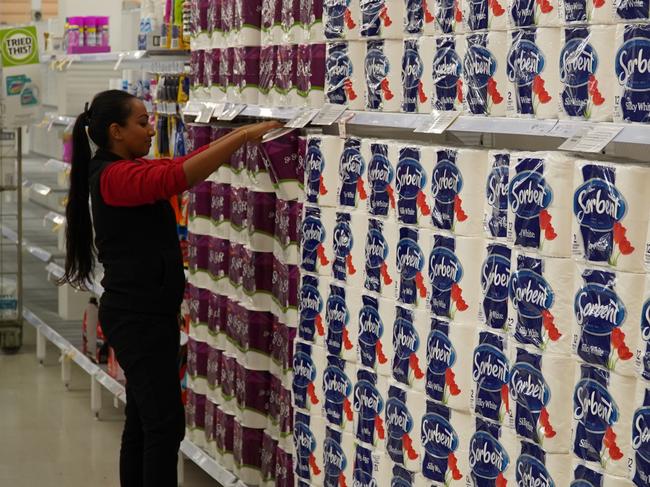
136	241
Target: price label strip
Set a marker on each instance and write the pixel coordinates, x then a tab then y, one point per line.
437	122
593	139
329	114
303	117
205	113
231	110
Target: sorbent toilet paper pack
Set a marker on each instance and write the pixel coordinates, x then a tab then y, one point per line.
338	463
313	294
408	358
344	67
635	11
490	450
403	428
481	15
368	399
380	270
539	195
640	465
484	73
341	309
402	477
531	465
370	467
594	476
610	203
390	20
532	69
309	440
382	75
607	316
316	253
351	190
643	343
411	181
587	11
490	373
453	273
631	70
496	270
338	379
349	248
341	19
448	17
457	184
527	13
540	399
495	218
375	339
443	69
309	362
381	157
322	169
602	419
586	70
416	90
541	305
413	248
448	361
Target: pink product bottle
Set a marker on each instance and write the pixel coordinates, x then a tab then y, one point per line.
74	33
103	38
90	31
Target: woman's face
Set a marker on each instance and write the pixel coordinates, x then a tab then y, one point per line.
138	132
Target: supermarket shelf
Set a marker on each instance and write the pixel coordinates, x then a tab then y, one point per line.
56	271
114	56
189	449
52	118
39	253
57	165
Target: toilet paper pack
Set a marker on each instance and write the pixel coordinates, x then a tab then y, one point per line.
368	399
284	87
341	309
370	467
316	253
247	453
416	90
271	30
268	460
539	196
402	412
310	74
607	316
610	222
238	214
198	304
210	444
261	220
582	474
448	16
413	248
493	309
338	464
445	445
602	419
443	69
540	399
643	343
309	440
631	69
490	450
285	285
322	163
338	379
226	395
533	78
586	66
448	360
246	75
309	363
390	20
214	374
268	60
381	158
198	256
313	294
220	209
247	22
481	15
344	67
589	11
640	465
288	216
257	280
527	13
489	398
495	218
402	477
375	338
484	73
197	365
541	305
457	185
341	19
351	188
380	270
410	330
531	465
634	11
224	425
252	388
453	272
382	75
411	180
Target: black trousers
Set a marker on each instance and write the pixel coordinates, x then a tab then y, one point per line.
147	347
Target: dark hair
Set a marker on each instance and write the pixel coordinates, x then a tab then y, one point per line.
107	108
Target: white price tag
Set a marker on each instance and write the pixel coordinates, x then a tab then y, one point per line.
231	110
329	114
567	129
206	112
120	58
593	139
342	123
437	122
303	117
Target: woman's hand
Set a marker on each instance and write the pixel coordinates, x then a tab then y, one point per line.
256	131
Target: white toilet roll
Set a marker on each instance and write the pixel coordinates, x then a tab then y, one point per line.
602	419
409	351
252	388
226	394
313	294
338	457
344	79
595	476
247	20
210	444
481	15
322	169
484	73
626	12
309	362
389	20
416	82
539	399
531	465
586	70
199	304
341	308
369	396
639	466
402	414
214	374
284	88
341	19
631	73
348	243
411	182
370	467
539	194
448	16
375	334
309	440
495	219
533	84
338	381
380	266
453	270
491	449
288	216
528	13
591	11
413	249
607	313
540	303
490	367
495	279
317	225
449	360
381	157
442	56
610	223
445	441
643	343
271	30
268	60
456	190
352	188
382	75
310	74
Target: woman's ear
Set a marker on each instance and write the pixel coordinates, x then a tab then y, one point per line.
115	132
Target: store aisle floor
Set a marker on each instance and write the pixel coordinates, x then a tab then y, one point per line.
49	437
